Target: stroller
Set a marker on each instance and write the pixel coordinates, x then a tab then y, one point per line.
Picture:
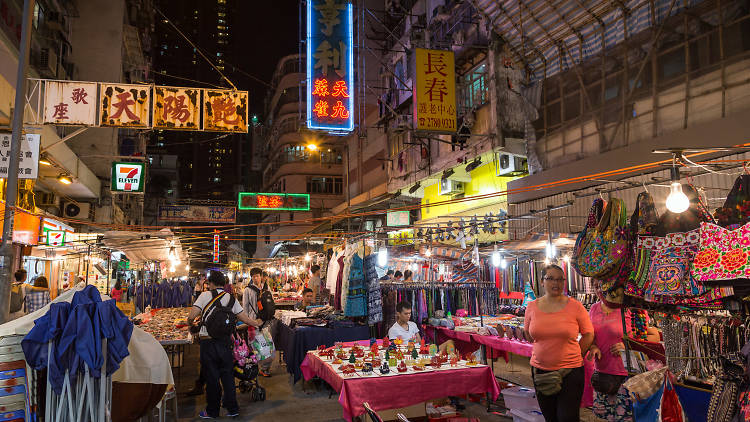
246	369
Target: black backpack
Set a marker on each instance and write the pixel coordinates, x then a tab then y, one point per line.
219	320
265	306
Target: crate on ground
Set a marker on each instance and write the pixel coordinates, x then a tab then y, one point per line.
521	398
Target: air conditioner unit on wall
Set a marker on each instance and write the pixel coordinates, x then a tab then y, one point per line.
450	187
510	165
79	211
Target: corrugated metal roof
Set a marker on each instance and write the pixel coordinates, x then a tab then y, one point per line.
714	187
554	35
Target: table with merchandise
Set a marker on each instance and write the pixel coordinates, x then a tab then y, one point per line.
390	375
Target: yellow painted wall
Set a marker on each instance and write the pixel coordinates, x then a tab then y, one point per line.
483	181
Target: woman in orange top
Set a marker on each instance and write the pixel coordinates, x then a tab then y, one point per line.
553	322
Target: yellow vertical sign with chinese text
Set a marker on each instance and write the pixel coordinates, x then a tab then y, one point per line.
434	91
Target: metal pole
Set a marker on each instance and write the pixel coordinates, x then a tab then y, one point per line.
6	248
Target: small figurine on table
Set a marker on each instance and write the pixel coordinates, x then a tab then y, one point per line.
401	367
433	349
423	349
454	361
374	348
367	368
352	358
410	346
385	369
414	354
386	341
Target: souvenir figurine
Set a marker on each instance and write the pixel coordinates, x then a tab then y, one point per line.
387	354
410	346
414	354
386	341
423	349
398	341
433	349
401	367
374	348
358	365
352	358
454	361
384	369
435	362
337	362
367	368
392	361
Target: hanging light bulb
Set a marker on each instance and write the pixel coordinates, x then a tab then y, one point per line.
308	257
677	201
503	263
496	258
382	257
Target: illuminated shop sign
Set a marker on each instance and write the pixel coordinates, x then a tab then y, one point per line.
330	61
127	177
216	248
273	201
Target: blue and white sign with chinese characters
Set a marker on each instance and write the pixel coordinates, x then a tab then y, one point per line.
330	66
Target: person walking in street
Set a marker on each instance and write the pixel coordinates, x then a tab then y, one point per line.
250	297
553	323
117	291
216	353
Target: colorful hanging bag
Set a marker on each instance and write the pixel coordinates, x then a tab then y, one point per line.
662	406
602	250
724	254
736	208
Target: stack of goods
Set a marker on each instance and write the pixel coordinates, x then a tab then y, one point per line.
391	359
516	310
286	317
166	325
512	329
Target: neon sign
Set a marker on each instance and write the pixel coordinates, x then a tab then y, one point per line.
330	65
216	248
250	201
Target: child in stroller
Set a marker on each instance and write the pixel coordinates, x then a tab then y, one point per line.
246	369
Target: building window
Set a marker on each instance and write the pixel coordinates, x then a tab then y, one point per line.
217	179
325	185
473	88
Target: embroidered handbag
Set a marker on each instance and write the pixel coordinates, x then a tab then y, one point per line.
736	209
603	249
595	214
724	254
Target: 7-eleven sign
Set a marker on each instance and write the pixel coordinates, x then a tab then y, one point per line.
55	238
127	177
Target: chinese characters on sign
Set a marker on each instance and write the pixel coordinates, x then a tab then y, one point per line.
225	110
274	201
177	108
197	214
28	164
435	91
125	105
127	177
216	248
330	74
119	105
70	103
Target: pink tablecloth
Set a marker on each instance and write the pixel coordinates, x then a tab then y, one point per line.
402	390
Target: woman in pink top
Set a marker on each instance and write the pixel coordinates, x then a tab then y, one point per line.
553	322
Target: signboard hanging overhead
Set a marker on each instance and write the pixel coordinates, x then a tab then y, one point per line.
125	105
197	214
224	110
127	177
28	164
434	94
177	108
70	103
330	66
250	201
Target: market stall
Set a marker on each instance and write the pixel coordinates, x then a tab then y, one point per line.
425	377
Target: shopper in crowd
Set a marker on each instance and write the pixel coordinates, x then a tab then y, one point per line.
404	328
216	354
553	323
117	292
228	285
18	295
606	354
308	299
397	276
408	276
250	297
314	284
388	276
37	297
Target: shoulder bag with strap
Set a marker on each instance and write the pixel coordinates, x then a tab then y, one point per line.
602	250
219	320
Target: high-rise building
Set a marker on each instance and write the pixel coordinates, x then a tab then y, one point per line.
210	165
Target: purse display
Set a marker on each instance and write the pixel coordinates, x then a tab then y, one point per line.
736	208
601	250
607	383
724	254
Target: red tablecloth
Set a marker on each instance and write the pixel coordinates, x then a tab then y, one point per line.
400	391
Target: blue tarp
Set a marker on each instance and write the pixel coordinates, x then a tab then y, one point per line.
76	330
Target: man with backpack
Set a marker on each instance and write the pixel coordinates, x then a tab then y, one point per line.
259	303
218	312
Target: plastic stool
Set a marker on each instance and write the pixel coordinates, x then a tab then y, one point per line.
171	394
